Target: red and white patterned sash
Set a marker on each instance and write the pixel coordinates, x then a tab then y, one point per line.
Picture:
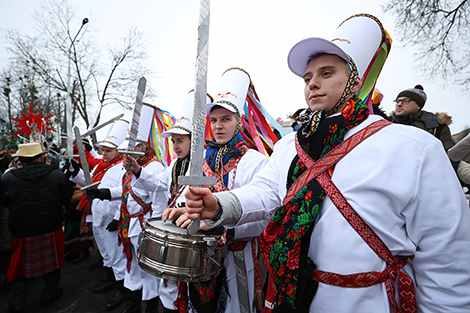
319	171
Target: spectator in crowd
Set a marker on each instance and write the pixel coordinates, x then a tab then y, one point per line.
36	195
461	153
409	111
5	160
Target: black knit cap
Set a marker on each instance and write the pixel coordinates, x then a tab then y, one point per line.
417	94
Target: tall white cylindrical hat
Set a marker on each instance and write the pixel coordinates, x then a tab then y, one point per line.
358	37
145	123
233	89
116	134
184	124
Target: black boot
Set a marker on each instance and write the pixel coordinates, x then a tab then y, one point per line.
133	301
118	297
151	305
108	284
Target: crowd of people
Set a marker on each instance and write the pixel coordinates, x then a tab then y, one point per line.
352	211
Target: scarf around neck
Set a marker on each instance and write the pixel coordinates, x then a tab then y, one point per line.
218	155
179	169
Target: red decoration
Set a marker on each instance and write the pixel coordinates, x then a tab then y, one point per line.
30	123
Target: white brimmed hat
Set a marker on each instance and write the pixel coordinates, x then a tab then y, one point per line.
184	125
233	89
29	150
358	37
116	134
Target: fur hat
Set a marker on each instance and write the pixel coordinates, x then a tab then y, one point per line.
417	94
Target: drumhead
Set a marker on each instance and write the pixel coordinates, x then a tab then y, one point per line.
168	225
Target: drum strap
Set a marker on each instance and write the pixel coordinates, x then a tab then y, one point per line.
124	220
147	207
239	257
238	247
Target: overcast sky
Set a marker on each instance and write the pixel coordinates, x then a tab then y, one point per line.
255	35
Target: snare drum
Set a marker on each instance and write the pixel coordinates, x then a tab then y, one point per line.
166	251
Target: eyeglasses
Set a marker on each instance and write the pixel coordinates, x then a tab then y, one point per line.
404	101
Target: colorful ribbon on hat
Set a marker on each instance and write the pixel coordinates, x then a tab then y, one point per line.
162	121
375	66
257	122
260	134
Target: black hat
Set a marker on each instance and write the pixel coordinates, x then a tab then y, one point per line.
417	94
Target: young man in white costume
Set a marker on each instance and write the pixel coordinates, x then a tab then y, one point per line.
181	139
137	206
234	164
407	228
105	202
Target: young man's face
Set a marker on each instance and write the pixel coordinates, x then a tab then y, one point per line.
325	79
223	124
181	145
406	106
139	148
108	153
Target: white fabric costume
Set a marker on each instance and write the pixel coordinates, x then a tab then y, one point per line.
137	278
248	166
102	213
401	183
158	182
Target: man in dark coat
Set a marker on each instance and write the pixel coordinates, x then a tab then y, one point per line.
35	195
409	111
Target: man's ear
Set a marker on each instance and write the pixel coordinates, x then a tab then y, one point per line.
357	85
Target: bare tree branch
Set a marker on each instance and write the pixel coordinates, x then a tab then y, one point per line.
439	30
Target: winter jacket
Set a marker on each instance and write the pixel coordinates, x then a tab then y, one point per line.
36	195
464	172
435	123
461	150
461	153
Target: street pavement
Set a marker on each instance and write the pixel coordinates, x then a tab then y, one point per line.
77	281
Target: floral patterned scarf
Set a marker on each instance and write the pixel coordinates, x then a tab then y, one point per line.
286	239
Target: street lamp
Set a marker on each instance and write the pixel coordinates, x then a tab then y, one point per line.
68	103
